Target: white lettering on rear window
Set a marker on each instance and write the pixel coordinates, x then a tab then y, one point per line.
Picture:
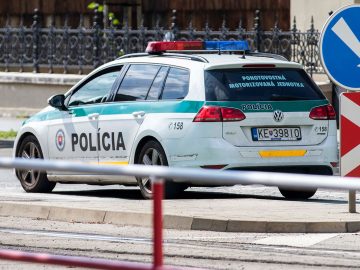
264	81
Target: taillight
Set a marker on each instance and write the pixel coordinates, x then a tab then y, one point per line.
218	114
325	112
231	114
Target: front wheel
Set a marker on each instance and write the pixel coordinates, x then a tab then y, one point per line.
152	153
293	194
32	180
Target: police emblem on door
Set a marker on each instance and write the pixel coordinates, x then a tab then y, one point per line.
278	115
60	140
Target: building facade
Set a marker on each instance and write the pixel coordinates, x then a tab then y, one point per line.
151	12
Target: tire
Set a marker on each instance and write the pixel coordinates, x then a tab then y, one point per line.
297	194
32	180
153	154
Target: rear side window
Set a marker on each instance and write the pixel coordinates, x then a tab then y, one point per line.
260	85
176	84
137	82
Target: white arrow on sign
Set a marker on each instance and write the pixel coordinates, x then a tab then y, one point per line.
344	32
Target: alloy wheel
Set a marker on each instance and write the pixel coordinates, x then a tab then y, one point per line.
150	157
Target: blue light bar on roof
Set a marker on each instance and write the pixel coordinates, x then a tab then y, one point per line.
240	45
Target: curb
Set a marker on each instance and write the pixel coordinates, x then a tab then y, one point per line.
6	143
68	214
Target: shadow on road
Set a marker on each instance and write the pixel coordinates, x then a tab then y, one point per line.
134	194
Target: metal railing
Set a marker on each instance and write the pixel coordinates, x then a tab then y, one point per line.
158	175
79	50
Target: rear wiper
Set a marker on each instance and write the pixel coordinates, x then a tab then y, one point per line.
282	97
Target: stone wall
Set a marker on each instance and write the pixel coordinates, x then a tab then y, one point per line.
30	90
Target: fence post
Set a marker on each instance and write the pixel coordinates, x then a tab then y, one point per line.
96	38
158	194
257	29
276	38
81	44
35	48
51	50
66	45
158	29
294	40
191	29
172	34
312	43
207	29
22	44
126	34
7	45
223	29
142	37
240	30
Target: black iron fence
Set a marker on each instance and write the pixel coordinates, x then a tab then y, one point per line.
78	50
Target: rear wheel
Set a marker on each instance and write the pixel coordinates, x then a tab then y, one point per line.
32	180
153	154
297	194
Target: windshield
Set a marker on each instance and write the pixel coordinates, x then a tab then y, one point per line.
276	84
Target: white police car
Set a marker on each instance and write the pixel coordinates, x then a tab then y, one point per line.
214	106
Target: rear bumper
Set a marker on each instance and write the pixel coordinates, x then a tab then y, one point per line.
216	151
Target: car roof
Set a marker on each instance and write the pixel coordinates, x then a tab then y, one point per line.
206	61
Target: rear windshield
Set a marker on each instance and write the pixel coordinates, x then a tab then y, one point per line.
260	85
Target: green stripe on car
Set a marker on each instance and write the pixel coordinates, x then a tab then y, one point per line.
183	106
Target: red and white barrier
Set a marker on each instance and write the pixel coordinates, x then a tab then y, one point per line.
350	134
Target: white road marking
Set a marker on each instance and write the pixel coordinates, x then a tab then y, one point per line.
82	236
344	32
304	240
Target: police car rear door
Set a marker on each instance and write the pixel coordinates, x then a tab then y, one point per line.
120	120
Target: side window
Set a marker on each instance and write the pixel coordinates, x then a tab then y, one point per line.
177	84
157	85
95	90
137	82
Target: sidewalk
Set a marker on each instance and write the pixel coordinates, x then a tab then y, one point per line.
196	211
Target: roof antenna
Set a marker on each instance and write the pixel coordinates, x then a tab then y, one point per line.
243	56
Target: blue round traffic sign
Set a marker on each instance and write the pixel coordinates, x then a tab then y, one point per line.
340	47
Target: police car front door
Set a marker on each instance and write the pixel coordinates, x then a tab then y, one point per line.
75	136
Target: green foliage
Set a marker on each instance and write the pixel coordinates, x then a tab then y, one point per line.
8	134
115	22
92	5
100	8
121	53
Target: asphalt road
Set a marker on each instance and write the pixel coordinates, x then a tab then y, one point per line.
206	250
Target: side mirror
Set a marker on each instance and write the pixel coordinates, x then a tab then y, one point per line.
58	102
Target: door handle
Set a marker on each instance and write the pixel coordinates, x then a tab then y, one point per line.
93	116
138	114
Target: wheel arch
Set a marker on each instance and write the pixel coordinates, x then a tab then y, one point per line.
21	138
141	143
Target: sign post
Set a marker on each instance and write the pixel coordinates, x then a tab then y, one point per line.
340	57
